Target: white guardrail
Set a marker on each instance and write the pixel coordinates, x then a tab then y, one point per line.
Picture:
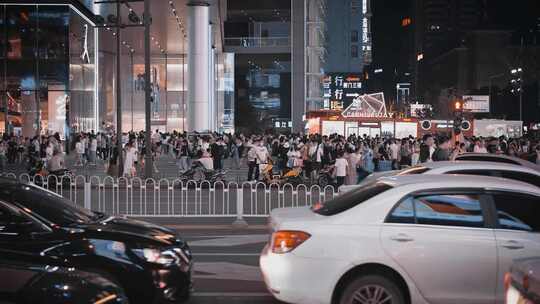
137	197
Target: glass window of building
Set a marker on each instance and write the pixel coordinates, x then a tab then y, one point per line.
354	36
354	51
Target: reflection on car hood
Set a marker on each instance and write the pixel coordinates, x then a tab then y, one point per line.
134	228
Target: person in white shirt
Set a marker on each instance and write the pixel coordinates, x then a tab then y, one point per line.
294	156
480	147
92	150
253	169
341	166
130	159
79	149
262	155
56	163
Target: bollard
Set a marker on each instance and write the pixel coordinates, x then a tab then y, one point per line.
240	222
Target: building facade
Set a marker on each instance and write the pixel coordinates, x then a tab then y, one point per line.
58	67
48	64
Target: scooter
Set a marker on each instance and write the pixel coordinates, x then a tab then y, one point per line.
40	175
199	174
292	176
326	176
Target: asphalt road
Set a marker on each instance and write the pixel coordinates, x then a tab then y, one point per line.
226	260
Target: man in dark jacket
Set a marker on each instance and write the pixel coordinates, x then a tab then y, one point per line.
427	148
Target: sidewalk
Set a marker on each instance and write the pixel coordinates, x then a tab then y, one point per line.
165	164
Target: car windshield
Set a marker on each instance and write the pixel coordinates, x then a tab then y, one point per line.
351	199
52	207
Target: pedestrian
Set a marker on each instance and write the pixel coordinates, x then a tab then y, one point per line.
112	168
427	148
262	156
183	154
443	152
235	154
341	167
3	157
405	154
129	161
253	168
92	150
79	149
352	162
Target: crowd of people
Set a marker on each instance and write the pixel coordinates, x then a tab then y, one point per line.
352	158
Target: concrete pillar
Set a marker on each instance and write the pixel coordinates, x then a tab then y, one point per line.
298	94
199	49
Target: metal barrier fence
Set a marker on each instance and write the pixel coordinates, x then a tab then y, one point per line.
138	197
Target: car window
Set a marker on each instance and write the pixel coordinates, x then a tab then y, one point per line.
521	176
517	212
350	199
50	206
403	213
449	210
11	216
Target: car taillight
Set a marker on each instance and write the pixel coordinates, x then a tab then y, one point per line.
286	241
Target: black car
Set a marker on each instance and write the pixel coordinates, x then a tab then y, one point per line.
151	263
26	279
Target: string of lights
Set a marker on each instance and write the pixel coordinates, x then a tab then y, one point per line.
178	19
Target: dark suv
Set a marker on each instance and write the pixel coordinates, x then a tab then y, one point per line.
151	263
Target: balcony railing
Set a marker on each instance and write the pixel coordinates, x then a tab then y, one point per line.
258	42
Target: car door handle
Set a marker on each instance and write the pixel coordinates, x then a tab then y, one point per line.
401	238
513	245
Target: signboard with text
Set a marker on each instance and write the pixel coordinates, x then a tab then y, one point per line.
340	89
476	103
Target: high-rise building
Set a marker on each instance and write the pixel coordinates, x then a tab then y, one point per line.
442	24
347	50
348	39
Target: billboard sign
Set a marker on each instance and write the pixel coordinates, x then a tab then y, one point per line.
340	89
417	108
476	103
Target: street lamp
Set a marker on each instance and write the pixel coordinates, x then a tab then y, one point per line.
517	87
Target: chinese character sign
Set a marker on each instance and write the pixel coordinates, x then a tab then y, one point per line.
339	90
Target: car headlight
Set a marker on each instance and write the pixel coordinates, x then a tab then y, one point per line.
165	257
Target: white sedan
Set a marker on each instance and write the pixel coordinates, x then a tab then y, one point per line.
484	168
404	239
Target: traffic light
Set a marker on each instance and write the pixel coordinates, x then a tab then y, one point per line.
458	106
458	121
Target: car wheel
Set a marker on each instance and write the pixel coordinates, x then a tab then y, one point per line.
372	289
